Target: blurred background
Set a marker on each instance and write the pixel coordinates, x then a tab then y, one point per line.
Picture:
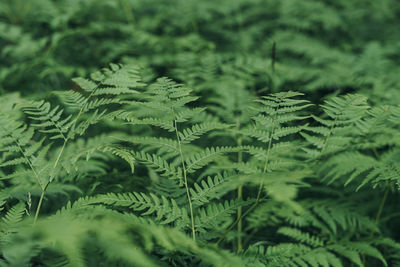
319	47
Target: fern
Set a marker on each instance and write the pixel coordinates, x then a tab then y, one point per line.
217	165
166	211
9	223
205	191
50	119
166	101
181	184
337	130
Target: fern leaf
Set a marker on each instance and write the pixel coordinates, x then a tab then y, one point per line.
49	119
365	248
351	255
161	143
201	159
205	191
159	165
301	236
166	211
216	214
190	134
122	153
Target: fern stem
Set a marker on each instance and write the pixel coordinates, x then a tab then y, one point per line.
265	167
239	195
50	180
249	237
25	157
185	181
255	204
29	163
40	204
237	220
66	139
52	175
378	214
381	205
239	217
328	136
266	162
57	160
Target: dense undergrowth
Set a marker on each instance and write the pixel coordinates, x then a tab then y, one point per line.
274	141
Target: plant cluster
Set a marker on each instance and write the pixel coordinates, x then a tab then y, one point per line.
233	133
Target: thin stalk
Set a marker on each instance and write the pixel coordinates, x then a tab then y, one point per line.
39	205
15	140
29	163
249	237
265	167
57	160
328	136
381	205
185	181
378	214
239	195
258	198
237	220
66	139
50	180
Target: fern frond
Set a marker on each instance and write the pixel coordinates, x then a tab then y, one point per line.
164	124
80	128
337	131
160	143
346	109
287	254
365	248
123	153
301	236
184	114
158	164
166	211
333	217
119	76
215	215
207	190
190	134
170	189
349	165
19	147
105	87
351	255
9	223
202	158
49	119
354	165
14	215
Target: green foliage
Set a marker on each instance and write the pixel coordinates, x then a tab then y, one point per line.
273	141
42	151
